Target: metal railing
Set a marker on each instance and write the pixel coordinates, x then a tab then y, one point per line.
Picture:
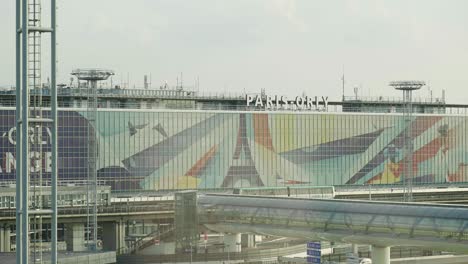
394	99
146	241
73	182
120	208
205	257
442	226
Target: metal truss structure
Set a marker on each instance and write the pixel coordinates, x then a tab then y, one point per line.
363	222
31	120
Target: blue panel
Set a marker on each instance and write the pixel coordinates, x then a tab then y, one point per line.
313	252
314	245
313	259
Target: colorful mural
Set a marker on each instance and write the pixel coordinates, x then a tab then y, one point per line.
165	150
225	150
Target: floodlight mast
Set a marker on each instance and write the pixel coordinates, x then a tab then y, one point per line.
92	77
408	87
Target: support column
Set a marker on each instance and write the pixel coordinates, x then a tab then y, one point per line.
5	245
121	235
248	241
355	249
2	234
232	242
113	236
6	239
380	255
75	237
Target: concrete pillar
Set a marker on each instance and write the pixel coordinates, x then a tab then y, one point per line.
380	255
7	239
2	235
232	242
75	237
248	241
258	238
113	236
5	245
355	249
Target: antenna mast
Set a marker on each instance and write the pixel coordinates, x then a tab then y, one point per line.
343	82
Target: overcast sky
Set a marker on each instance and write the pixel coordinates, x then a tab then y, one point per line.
286	47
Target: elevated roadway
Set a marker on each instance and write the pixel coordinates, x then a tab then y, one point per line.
158	210
451	194
381	224
113	218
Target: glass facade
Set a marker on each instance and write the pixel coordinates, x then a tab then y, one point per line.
167	150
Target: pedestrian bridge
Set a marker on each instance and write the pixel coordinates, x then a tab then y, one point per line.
381	224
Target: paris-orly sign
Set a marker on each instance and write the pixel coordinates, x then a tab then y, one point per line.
283	102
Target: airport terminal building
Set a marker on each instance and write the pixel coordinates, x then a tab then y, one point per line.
160	141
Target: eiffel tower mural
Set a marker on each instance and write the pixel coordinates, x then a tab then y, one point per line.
242	169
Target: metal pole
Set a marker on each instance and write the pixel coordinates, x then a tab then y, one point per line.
54	174
19	203
190	252
410	147
24	138
370	194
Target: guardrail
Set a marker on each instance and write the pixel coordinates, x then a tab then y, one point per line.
200	257
146	241
393	99
113	209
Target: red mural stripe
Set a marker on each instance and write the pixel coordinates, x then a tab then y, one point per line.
200	165
262	131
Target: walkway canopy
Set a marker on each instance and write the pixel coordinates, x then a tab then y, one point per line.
443	227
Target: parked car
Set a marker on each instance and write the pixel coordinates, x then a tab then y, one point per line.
365	261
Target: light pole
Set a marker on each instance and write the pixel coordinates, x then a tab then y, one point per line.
226	247
370	194
408	87
191	250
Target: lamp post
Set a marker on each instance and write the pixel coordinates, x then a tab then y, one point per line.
226	246
408	87
191	252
